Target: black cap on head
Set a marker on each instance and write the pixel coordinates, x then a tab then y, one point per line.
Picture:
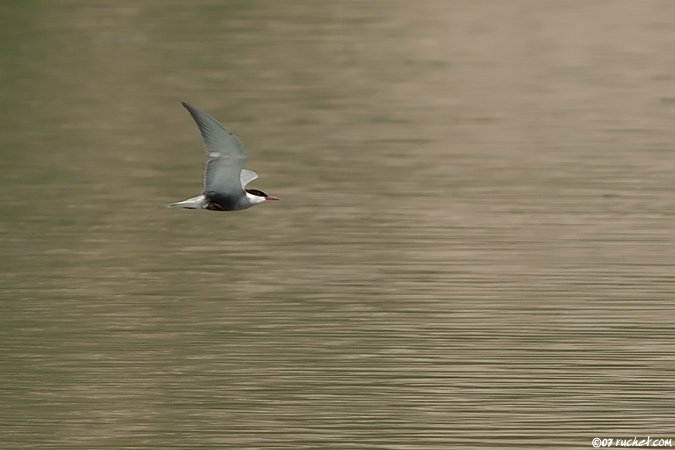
256	192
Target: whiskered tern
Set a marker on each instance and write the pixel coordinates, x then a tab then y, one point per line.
225	178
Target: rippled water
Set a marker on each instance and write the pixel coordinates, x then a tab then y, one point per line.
474	247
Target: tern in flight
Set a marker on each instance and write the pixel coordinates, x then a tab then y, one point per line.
225	178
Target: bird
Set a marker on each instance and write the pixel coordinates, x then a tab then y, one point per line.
225	178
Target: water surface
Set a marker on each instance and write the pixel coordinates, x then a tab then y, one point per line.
474	247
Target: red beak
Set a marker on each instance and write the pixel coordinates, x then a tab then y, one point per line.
272	197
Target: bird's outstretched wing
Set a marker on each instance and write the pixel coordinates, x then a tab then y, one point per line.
247	176
226	155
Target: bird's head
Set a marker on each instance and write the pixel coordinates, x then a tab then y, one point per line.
257	196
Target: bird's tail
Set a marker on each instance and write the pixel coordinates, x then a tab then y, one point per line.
197	202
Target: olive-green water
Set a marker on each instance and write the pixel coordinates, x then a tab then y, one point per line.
474	248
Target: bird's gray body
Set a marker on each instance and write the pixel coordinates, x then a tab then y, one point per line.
225	178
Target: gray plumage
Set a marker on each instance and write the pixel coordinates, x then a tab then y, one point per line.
225	178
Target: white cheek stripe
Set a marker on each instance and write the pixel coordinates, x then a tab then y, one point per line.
254	198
